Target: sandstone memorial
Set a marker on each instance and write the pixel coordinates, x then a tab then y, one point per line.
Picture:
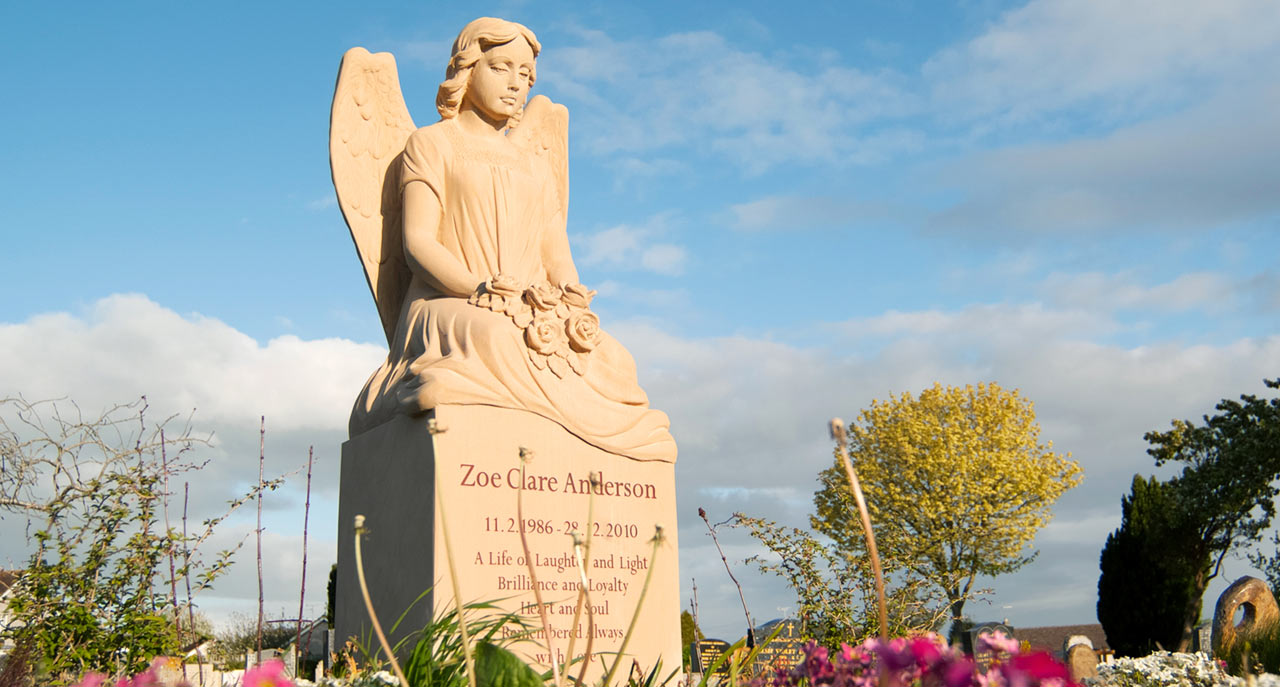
504	410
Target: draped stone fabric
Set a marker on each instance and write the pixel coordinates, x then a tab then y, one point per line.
497	201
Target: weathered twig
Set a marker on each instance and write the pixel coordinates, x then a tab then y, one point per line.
368	604
838	434
302	594
751	628
433	428
648	576
582	553
262	459
525	456
186	575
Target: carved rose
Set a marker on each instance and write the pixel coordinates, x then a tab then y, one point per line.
577	295
501	294
543	296
583	328
545	335
503	285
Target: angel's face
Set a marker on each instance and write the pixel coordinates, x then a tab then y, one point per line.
500	81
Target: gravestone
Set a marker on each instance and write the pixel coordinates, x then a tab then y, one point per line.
1082	662
494	354
388	475
704	653
784	650
984	658
1203	638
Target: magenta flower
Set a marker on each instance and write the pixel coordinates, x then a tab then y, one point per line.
1031	670
817	666
997	643
268	674
91	679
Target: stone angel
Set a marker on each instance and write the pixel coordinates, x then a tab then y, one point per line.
461	228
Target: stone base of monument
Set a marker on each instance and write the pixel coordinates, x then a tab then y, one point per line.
388	475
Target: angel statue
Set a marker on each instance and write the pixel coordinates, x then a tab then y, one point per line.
461	229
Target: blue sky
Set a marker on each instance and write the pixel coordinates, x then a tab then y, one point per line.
789	210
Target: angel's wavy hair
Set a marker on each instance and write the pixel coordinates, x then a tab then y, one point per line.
472	41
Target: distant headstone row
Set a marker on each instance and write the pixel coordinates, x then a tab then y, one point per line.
783	649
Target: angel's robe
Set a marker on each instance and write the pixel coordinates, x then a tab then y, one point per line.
497	201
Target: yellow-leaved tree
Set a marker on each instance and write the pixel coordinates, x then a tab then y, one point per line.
956	480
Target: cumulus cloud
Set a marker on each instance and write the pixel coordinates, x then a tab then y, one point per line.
749	414
703	91
801	212
125	346
1116	58
631	247
1199	169
739	401
1100	291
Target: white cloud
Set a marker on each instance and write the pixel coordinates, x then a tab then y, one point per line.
1201	169
749	415
699	89
125	346
632	247
790	213
1049	55
1099	291
664	258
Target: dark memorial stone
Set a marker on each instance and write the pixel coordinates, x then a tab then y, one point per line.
984	658
784	651
705	652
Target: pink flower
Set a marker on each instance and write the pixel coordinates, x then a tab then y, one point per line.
998	644
816	666
91	679
1030	670
268	674
958	672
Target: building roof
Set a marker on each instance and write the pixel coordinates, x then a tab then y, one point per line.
1051	638
7	578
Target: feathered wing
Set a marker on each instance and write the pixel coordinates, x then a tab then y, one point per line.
544	129
368	127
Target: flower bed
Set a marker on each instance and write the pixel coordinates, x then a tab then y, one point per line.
1167	669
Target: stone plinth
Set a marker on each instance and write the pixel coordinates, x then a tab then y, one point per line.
388	475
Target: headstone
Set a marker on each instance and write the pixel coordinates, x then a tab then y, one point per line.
782	646
1204	638
1260	612
704	653
388	475
492	341
984	658
1073	640
1082	662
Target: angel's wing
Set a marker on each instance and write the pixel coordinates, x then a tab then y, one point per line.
544	129
368	127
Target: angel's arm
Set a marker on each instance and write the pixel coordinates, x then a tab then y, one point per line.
556	256
428	259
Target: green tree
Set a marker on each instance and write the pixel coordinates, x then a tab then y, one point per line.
957	483
1225	492
689	631
835	594
98	577
1146	583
